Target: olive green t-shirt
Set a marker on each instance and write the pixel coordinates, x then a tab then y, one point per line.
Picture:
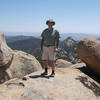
49	38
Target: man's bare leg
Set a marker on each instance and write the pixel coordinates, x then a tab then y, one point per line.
45	64
53	67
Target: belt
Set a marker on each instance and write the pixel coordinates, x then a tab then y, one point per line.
48	45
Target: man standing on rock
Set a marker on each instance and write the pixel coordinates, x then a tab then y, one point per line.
49	46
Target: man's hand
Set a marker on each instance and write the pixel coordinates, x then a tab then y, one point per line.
56	50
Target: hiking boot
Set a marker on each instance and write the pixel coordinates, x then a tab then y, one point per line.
52	74
44	73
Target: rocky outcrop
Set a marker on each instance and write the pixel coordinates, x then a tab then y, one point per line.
6	53
89	52
68	84
15	63
67	50
60	63
23	64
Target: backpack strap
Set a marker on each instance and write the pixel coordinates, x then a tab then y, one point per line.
53	33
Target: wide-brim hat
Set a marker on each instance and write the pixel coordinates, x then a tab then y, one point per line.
51	21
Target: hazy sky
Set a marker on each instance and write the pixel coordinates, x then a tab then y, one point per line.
30	15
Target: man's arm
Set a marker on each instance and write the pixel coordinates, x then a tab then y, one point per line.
41	45
57	38
57	44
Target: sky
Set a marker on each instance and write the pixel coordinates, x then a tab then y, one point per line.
71	16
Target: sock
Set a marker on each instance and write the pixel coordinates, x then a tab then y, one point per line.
46	69
53	71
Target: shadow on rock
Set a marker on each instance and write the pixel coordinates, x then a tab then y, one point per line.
90	73
3	74
40	76
90	85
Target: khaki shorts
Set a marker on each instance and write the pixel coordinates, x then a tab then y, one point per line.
48	53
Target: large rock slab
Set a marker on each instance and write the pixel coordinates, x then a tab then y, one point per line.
23	64
15	63
6	53
68	84
89	52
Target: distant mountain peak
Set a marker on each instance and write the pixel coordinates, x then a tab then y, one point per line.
78	36
69	39
98	39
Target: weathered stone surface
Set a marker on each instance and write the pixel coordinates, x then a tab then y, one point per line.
6	53
89	52
23	64
79	65
15	63
68	84
60	63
